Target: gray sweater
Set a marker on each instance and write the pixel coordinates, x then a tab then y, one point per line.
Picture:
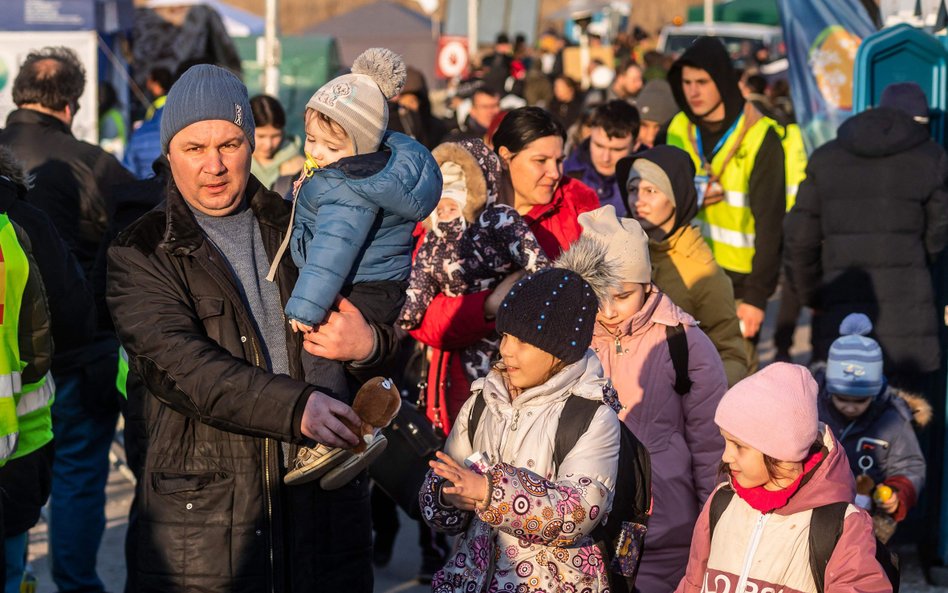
237	236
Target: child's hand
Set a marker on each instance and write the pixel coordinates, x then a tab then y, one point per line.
299	326
891	505
468	490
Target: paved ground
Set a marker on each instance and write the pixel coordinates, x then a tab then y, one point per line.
399	575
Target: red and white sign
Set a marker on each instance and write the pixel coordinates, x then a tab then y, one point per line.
452	60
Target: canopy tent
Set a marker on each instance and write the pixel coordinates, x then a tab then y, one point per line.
238	22
762	12
383	24
307	62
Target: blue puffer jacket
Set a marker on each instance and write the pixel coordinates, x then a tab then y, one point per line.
362	218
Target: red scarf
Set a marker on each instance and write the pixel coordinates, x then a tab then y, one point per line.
765	501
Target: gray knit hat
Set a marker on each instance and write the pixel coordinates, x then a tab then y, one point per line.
359	101
206	92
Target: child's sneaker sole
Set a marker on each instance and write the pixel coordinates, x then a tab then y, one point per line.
313	471
350	468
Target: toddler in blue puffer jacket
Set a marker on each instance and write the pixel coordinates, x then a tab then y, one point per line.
356	205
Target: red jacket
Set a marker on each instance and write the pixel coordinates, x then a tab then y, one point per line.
452	323
555	224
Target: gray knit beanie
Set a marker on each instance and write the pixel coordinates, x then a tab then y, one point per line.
359	101
203	93
655	175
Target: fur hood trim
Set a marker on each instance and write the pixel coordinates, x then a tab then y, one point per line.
473	177
921	409
587	257
11	167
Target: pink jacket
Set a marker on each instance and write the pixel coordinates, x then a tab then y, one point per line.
678	431
769	552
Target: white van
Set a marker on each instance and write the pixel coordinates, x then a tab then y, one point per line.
740	39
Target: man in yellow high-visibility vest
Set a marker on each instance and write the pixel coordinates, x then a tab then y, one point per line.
26	385
740	176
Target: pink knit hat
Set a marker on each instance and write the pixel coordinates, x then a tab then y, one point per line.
773	411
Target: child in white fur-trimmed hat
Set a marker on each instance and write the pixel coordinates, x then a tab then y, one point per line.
356	205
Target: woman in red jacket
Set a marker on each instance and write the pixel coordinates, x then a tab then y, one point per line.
529	143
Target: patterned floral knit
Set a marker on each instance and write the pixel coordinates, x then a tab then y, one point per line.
457	259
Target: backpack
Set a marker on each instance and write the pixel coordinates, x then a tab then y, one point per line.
826	527
622	539
677	342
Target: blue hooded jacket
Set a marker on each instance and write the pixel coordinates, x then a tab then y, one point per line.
362	219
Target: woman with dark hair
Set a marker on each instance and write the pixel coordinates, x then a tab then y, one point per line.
277	158
529	143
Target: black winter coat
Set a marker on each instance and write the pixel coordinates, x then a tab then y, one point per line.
71	309
869	220
73	180
211	509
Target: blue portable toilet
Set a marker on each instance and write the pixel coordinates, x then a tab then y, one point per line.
903	54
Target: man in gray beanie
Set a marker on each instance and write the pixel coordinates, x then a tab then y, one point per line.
215	382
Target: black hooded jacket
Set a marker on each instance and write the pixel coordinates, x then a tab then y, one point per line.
767	184
68	293
681	174
869	220
682	264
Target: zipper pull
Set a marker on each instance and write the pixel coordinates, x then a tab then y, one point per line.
618	346
516	420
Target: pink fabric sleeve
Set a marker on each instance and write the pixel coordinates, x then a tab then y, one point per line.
698	556
701	433
853	567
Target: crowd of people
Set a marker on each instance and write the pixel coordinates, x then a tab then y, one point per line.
539	252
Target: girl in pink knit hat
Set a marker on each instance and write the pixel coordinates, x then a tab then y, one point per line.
788	480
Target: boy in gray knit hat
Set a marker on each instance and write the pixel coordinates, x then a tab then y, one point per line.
356	205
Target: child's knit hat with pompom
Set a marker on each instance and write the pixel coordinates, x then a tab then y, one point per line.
854	365
359	101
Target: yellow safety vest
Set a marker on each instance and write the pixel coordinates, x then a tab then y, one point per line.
32	424
14	272
794	151
727	226
121	379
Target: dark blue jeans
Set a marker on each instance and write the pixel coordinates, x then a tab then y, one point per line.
83	436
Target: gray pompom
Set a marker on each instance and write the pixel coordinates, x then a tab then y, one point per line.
588	258
385	67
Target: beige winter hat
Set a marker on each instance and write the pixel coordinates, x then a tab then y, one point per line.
624	239
454	184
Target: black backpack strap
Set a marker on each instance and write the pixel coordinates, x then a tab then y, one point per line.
577	414
477	410
678	348
826	527
719	501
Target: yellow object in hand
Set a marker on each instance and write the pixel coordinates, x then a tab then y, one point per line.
882	494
